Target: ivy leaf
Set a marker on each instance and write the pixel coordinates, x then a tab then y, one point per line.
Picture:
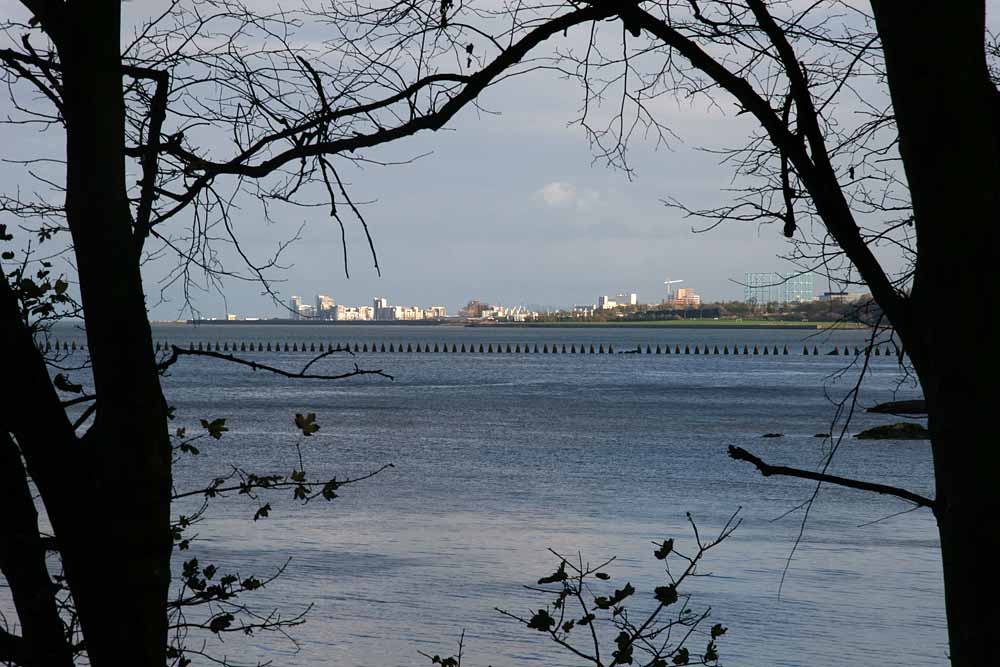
306	423
63	383
541	621
61	286
664	549
555	577
215	428
718	630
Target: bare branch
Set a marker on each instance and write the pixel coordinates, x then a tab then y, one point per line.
740	454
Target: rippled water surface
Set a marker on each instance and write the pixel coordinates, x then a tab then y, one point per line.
500	457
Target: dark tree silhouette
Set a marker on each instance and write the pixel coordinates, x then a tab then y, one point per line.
916	175
206	102
878	153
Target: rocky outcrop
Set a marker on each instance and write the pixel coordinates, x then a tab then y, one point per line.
902	431
915	407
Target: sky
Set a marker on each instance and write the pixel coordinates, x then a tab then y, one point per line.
508	207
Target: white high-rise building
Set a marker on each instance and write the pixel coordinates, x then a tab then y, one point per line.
324	306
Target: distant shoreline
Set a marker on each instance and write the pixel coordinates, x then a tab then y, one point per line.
684	324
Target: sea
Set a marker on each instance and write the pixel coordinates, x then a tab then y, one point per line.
501	458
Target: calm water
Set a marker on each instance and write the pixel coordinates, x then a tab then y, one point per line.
499	457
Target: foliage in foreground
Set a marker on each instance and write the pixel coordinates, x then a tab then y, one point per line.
601	624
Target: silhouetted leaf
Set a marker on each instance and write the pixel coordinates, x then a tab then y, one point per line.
541	621
623	656
306	423
620	594
665	595
221	622
664	549
604	576
555	577
718	630
215	428
682	657
711	652
330	490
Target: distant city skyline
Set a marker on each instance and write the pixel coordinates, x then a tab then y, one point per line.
756	287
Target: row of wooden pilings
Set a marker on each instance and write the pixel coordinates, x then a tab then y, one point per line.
491	348
516	348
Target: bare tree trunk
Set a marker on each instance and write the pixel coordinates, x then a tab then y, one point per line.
22	562
115	536
948	114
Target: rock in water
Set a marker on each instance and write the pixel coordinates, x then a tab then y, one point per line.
901	431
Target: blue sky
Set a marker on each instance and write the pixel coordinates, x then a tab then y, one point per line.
508	207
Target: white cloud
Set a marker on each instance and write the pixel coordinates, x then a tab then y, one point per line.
558	194
563	195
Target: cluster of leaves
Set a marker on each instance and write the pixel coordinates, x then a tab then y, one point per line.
42	297
586	612
219	597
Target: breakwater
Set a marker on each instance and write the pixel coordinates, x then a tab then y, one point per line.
490	348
